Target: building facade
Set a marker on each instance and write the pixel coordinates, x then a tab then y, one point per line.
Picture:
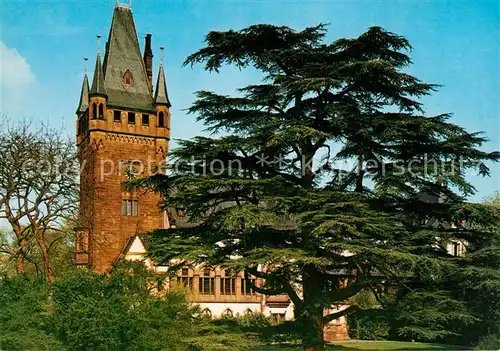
123	131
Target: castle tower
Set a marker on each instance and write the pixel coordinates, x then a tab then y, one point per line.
122	133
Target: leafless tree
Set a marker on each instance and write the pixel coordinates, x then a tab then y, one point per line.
38	188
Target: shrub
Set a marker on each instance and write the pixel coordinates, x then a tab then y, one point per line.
490	342
24	322
257	326
83	310
97	312
368	327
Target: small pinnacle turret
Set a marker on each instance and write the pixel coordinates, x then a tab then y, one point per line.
98	88
161	95
84	94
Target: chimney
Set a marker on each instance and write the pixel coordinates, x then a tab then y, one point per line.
148	60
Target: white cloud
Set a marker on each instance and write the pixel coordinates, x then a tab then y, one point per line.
15	72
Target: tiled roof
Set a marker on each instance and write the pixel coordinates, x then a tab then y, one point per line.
122	54
98	87
84	96
161	95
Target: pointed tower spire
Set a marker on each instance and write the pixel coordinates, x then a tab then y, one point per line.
98	81
84	94
161	96
126	79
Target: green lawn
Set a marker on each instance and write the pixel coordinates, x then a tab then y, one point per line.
369	345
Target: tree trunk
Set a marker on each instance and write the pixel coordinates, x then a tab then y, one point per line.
20	263
359	174
310	324
47	268
307	169
21	243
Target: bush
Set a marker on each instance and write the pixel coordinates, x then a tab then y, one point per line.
490	342
257	326
84	310
96	312
368	327
24	322
371	324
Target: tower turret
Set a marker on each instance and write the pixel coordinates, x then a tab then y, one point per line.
162	103
83	105
97	94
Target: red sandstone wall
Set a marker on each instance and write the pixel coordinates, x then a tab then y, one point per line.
101	153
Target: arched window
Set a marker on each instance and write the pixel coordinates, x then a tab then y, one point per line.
248	312
94	110
228	313
206	312
127	78
101	111
161	120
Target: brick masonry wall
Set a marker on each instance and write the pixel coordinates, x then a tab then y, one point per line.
102	152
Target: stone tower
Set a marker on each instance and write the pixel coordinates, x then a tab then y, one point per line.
123	132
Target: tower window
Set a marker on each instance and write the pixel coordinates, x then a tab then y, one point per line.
145	120
131	118
127	78
161	120
129	207
94	110
101	111
117	115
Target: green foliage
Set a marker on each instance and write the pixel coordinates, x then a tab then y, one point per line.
93	312
259	327
478	280
489	342
228	333
254	322
266	189
368	327
370	323
84	310
427	315
23	319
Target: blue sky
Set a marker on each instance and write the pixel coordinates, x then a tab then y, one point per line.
456	43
